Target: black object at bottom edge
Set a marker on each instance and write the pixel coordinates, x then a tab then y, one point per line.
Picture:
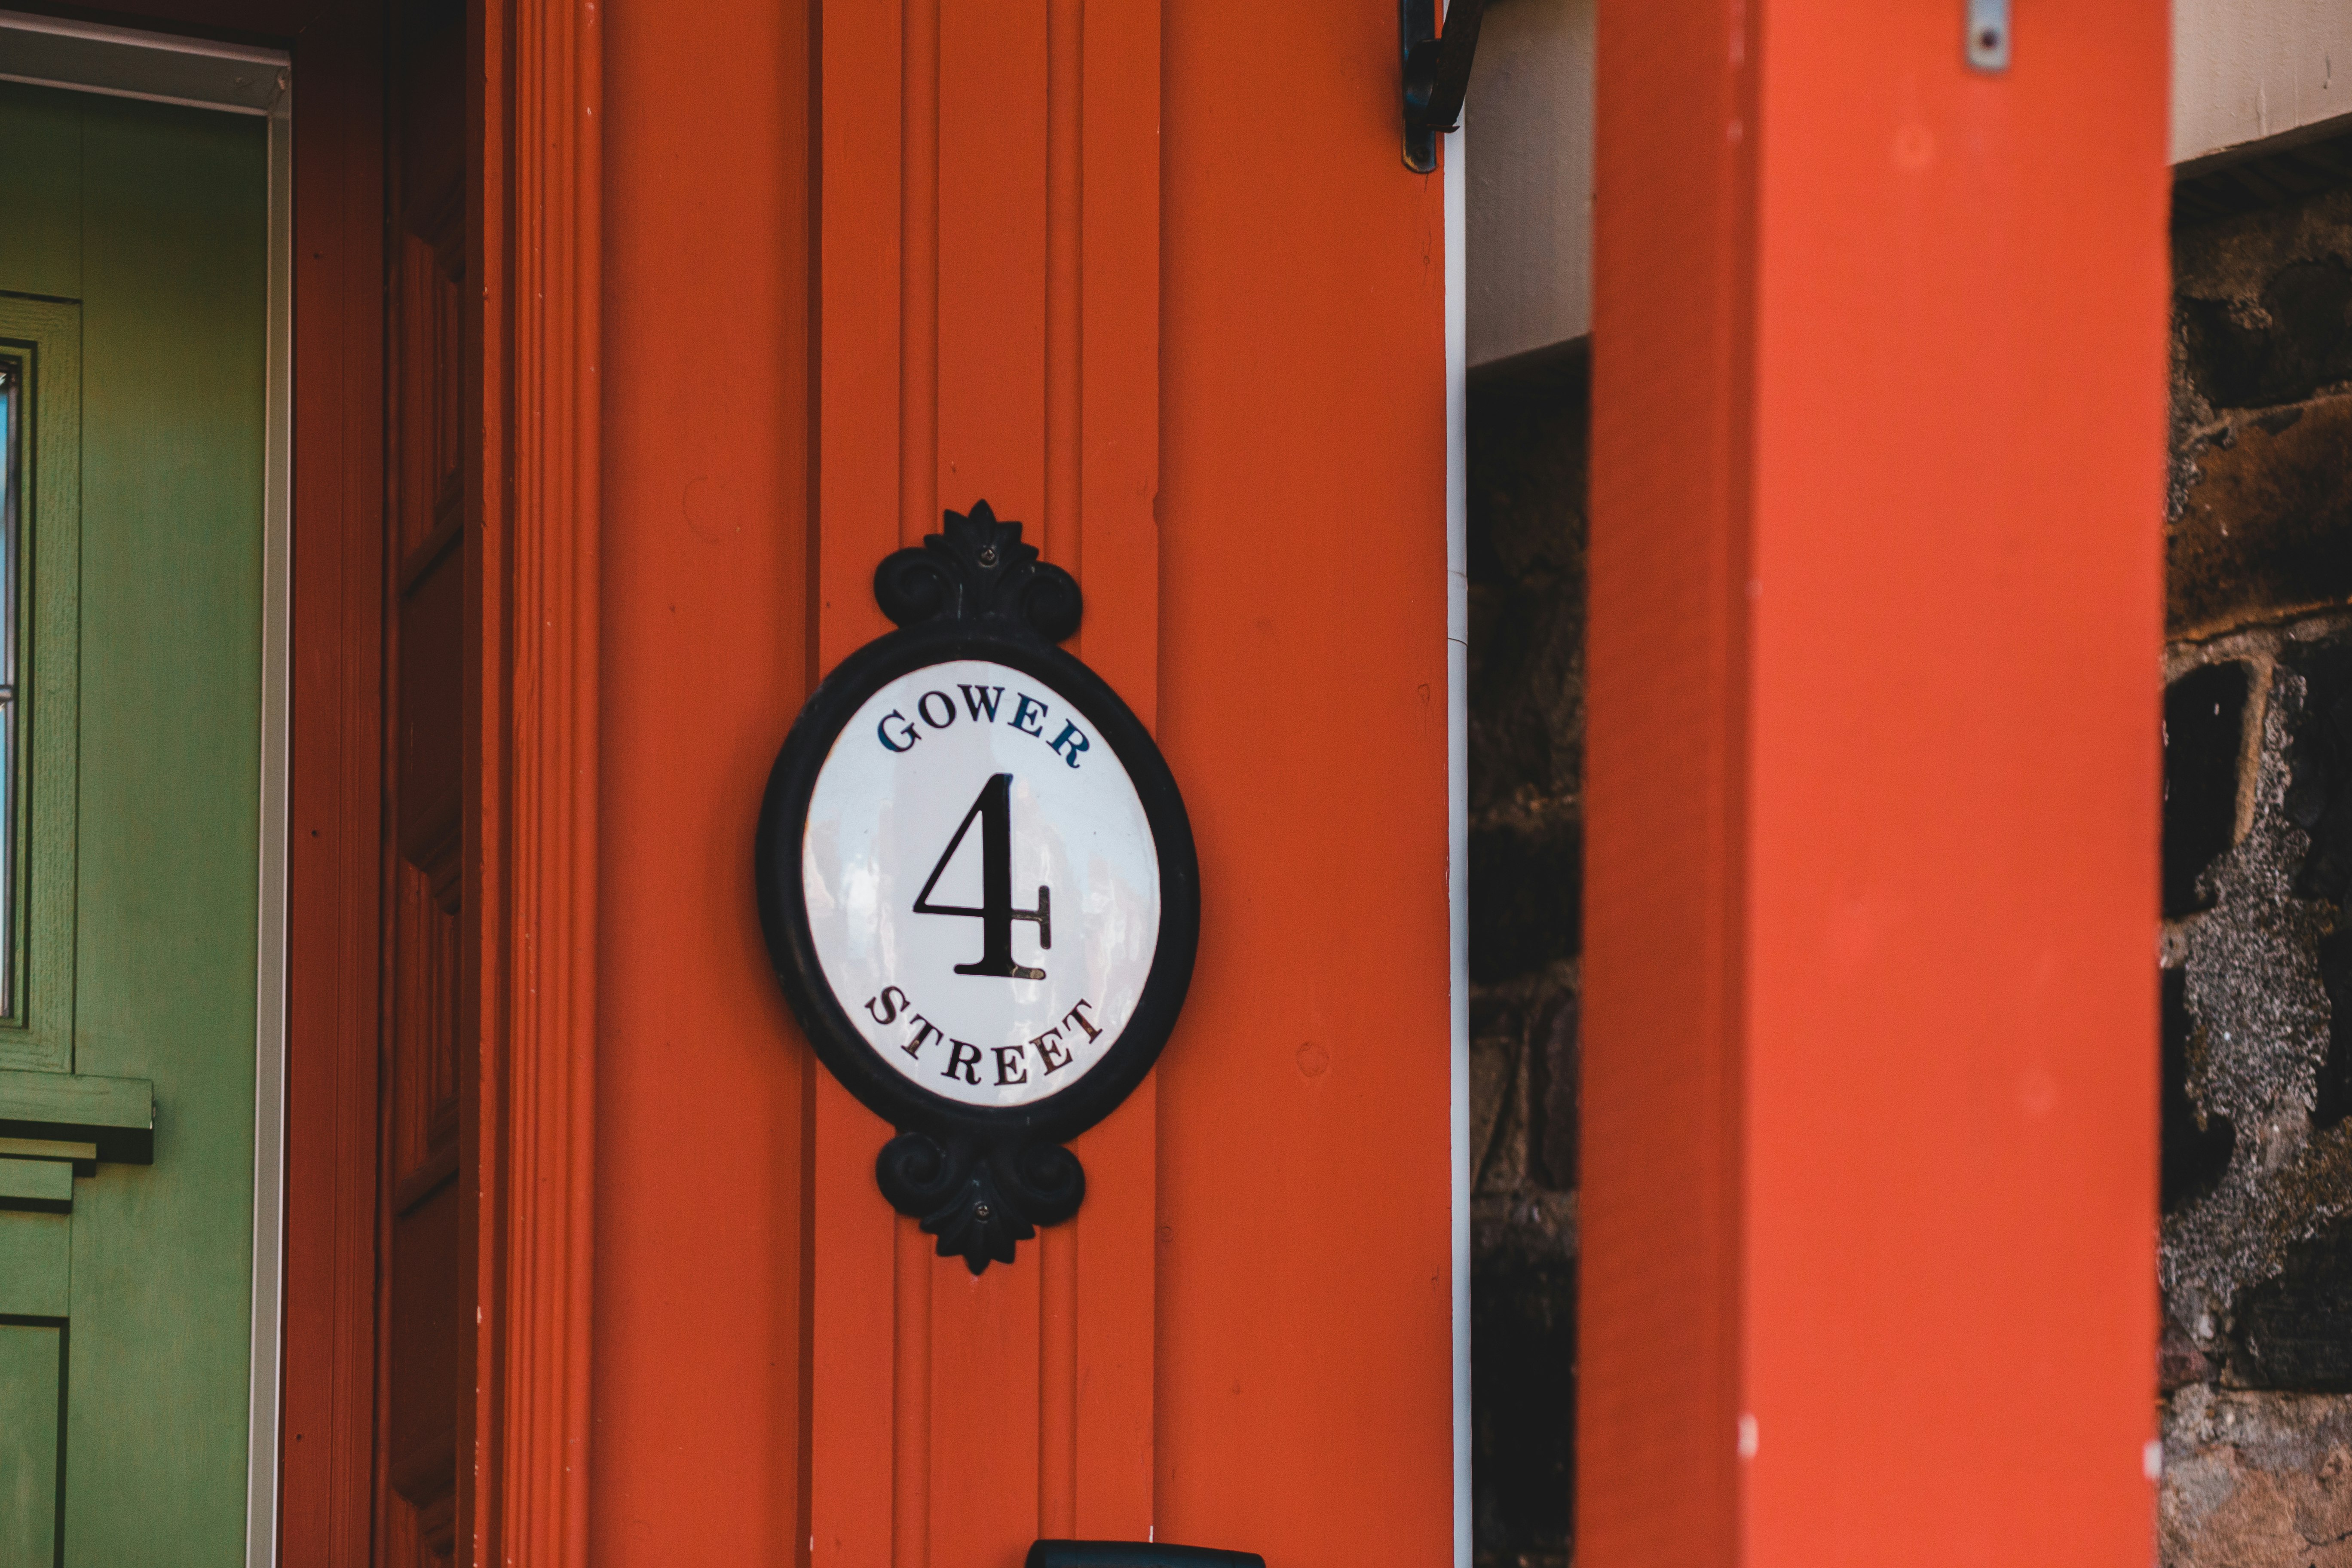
1136	1554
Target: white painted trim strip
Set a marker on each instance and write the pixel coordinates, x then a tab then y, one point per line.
123	62
124	92
2251	75
1457	796
138	39
266	1359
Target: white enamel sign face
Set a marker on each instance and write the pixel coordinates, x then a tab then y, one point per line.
982	886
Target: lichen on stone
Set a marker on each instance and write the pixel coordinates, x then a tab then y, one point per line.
2262	1018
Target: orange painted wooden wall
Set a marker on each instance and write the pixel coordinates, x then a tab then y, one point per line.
1869	1191
1155	283
698	1371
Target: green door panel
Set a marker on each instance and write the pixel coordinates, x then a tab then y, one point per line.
115	1116
40	192
148	223
32	1377
36	1186
36	1265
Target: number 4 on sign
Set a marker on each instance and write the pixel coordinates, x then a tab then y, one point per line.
993	806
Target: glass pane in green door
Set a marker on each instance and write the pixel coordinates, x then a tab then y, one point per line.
12	376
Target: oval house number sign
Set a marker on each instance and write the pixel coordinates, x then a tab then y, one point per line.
978	885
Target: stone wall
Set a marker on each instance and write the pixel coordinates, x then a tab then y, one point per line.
2255	957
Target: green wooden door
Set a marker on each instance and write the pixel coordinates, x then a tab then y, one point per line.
133	332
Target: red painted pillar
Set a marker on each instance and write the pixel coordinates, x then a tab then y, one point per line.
1869	1196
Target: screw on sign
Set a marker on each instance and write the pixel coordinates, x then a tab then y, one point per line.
977	887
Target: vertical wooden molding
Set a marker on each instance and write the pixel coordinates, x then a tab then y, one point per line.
489	252
1115	353
1061	538
859	470
540	1057
328	1443
910	1426
1663	970
919	499
919	273
1065	216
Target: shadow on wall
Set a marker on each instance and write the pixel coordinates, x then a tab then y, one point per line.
1527	428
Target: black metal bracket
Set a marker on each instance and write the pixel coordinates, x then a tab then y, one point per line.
980	1195
977	568
1437	72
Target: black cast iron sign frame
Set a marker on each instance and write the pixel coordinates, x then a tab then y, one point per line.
980	1178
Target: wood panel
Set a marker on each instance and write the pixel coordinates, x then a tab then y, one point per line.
988	310
536	176
1304	1387
431	1036
1872	788
335	866
700	1365
32	1407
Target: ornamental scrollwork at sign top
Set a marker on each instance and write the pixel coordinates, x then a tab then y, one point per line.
976	568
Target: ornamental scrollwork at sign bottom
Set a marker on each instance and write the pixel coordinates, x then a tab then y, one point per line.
979	1200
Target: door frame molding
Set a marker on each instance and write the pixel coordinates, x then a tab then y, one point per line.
266	1356
234	78
540	168
534	186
